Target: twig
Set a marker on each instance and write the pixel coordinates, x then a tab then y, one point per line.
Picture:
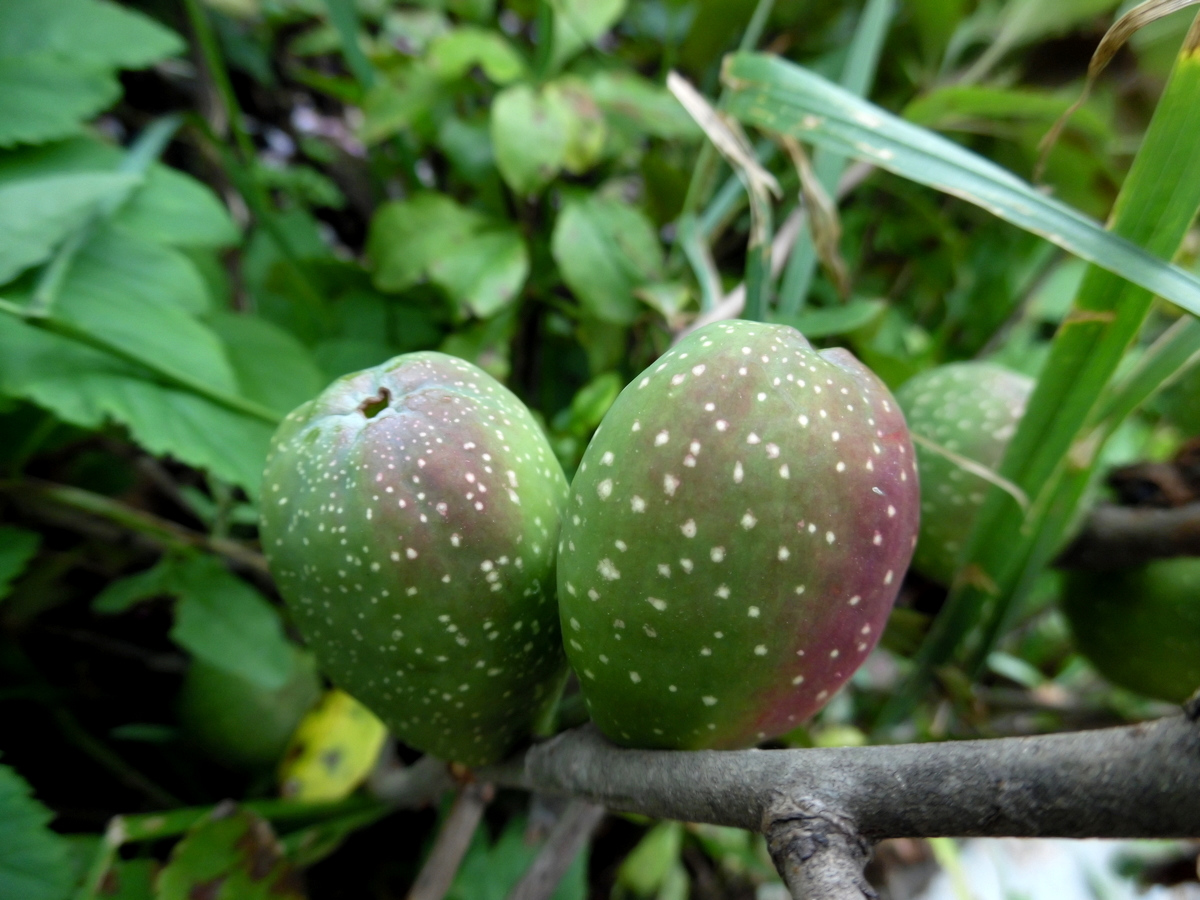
161	531
574	829
1116	537
439	870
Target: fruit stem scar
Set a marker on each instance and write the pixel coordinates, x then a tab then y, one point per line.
373	406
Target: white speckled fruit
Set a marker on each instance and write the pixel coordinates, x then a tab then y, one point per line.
410	515
972	409
736	536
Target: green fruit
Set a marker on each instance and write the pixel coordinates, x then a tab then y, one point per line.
410	514
236	722
1140	627
971	409
738	530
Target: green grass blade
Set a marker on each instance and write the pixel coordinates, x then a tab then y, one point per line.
1156	206
778	96
861	63
344	18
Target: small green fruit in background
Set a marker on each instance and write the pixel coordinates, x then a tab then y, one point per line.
410	518
1140	627
971	409
737	532
239	724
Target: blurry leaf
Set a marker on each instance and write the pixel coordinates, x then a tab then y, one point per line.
17	548
453	55
43	98
34	862
486	272
468	144
834	320
224	621
669	298
590	403
578	23
773	94
606	249
399	101
648	865
121	594
332	751
84	31
487	343
232	854
479	262
586	132
130	879
271	366
970	108
173	208
37	214
529	137
625	95
88	388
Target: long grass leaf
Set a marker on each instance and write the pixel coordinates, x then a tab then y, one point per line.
779	96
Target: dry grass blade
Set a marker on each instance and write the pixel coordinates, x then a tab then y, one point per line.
823	220
969	465
1114	39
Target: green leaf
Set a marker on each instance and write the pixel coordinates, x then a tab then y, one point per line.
605	249
529	137
224	621
85	31
578	23
43	98
37	214
229	855
586	130
650	108
271	366
478	261
486	272
490	873
17	548
123	594
399	101
34	861
88	388
168	207
142	298
175	209
453	55
647	866
775	95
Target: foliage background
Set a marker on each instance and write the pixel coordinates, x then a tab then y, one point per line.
210	211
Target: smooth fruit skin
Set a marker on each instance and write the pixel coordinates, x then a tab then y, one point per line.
239	724
736	536
410	514
1140	627
972	409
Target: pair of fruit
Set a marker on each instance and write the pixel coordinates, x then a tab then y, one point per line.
726	556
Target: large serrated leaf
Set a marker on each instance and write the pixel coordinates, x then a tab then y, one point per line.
37	214
43	98
90	32
34	861
89	388
272	367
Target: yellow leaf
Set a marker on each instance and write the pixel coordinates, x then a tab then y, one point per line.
332	751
